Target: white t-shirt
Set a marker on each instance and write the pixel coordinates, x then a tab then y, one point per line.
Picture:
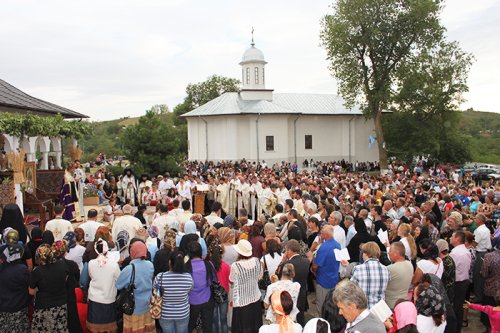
426	324
59	228
272	263
89	228
427	266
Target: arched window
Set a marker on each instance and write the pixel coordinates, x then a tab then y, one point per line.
256	75
263	81
248	75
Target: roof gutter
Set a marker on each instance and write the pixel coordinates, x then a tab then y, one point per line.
206	137
295	138
350	154
257	136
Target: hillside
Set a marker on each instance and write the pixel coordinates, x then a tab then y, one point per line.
483	129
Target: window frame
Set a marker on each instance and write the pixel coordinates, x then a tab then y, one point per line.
269	142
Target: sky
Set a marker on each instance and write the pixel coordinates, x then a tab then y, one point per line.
116	58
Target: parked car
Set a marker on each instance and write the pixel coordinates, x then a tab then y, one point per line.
485	174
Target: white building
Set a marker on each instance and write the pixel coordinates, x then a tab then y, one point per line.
258	124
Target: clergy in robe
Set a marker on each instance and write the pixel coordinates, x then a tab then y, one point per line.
223	194
255	192
243	192
68	196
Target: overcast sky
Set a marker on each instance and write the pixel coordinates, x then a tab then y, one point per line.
115	58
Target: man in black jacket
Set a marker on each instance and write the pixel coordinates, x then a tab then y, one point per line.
301	265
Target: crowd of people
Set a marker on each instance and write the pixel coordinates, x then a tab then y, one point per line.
243	247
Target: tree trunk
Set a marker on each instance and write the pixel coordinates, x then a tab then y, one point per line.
382	152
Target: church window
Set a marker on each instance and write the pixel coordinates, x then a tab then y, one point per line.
309	142
256	75
263	76
248	75
269	143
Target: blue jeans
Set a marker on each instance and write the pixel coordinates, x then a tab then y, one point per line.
174	325
220	313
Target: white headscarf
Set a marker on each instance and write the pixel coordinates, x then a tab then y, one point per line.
311	325
102	259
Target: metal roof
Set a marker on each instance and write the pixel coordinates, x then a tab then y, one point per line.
11	97
313	104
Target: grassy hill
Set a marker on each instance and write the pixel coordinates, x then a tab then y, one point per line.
483	129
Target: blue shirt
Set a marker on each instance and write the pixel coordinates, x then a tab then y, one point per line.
144	271
327	274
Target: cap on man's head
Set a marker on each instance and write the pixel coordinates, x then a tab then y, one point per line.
442	245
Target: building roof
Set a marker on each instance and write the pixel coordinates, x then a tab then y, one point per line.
307	104
15	99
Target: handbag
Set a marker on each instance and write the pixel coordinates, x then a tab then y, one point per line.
266	280
155	303
125	302
219	294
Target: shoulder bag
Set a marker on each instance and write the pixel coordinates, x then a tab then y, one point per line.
156	301
125	302
266	280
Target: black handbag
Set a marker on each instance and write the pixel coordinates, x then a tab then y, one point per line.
219	294
125	302
266	280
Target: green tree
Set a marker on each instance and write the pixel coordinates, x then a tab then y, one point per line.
203	92
426	114
367	44
153	144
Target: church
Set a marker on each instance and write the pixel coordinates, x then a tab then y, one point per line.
258	124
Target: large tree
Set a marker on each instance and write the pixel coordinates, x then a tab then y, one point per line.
200	93
368	42
153	145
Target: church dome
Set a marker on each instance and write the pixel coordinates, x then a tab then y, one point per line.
253	54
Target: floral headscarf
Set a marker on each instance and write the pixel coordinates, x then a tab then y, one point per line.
153	231
102	232
59	248
226	235
11	253
430	302
70	237
169	240
44	255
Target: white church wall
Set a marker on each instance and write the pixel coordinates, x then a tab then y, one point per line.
276	126
363	130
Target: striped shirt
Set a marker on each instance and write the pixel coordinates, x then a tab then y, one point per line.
174	289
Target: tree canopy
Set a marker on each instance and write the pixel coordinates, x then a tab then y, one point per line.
153	144
200	93
393	55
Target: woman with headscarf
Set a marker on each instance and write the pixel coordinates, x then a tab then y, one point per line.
191	234
317	325
13	217
152	241
14	282
362	236
75	250
103	274
430	308
162	256
60	249
404	318
48	238
140	321
282	305
226	240
50	310
35	240
10	236
421	233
